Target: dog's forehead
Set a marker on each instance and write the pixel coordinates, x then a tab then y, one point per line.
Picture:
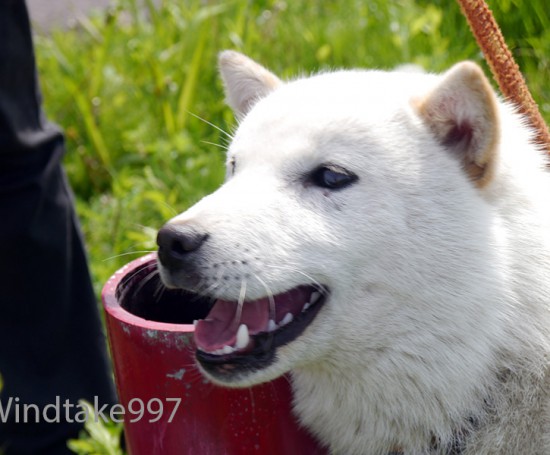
310	115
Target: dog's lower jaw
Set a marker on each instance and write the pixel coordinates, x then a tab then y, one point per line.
284	359
241	375
227	375
244	378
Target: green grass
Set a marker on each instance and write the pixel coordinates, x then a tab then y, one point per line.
97	437
130	85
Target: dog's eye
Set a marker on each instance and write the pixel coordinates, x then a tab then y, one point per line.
231	165
332	177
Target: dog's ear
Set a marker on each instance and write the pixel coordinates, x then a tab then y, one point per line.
245	81
462	113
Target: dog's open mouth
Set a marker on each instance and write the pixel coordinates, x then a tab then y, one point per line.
230	337
247	335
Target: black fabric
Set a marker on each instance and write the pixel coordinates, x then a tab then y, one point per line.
51	343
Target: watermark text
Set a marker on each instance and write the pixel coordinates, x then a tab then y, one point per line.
152	410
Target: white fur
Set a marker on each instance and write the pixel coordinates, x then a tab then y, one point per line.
440	285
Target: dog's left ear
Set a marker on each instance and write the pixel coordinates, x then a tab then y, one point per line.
245	81
462	113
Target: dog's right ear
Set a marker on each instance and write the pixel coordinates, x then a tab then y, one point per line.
245	81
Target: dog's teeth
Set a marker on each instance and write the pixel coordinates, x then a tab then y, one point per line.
287	319
315	296
271	326
219	351
195	322
227	350
243	337
306	306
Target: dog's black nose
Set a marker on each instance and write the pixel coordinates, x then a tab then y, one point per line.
175	241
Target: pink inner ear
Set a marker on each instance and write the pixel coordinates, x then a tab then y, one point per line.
460	135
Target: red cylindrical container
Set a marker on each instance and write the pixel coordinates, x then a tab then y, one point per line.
155	371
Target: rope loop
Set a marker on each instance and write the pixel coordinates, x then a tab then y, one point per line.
503	66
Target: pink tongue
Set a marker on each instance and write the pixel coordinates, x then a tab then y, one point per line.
220	327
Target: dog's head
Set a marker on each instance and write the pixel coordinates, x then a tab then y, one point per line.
351	205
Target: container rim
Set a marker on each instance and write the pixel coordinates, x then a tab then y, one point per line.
113	308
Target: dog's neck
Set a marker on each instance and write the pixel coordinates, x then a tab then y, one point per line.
455	447
385	410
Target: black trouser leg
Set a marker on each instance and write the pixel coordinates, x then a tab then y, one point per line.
51	342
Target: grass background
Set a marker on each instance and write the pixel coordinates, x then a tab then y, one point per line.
128	85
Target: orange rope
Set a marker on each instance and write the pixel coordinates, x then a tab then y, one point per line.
505	70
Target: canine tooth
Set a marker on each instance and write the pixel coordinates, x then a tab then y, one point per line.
271	326
306	306
195	322
315	296
242	337
287	319
228	349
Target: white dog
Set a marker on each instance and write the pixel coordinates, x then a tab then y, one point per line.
384	236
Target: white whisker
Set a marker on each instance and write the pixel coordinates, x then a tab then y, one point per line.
224	147
150	276
242	295
207	291
269	296
211	124
129	253
159	291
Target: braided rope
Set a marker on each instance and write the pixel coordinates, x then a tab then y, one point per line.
505	70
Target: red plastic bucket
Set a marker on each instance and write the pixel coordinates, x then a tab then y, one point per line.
167	406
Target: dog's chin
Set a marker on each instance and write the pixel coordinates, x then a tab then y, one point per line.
236	356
